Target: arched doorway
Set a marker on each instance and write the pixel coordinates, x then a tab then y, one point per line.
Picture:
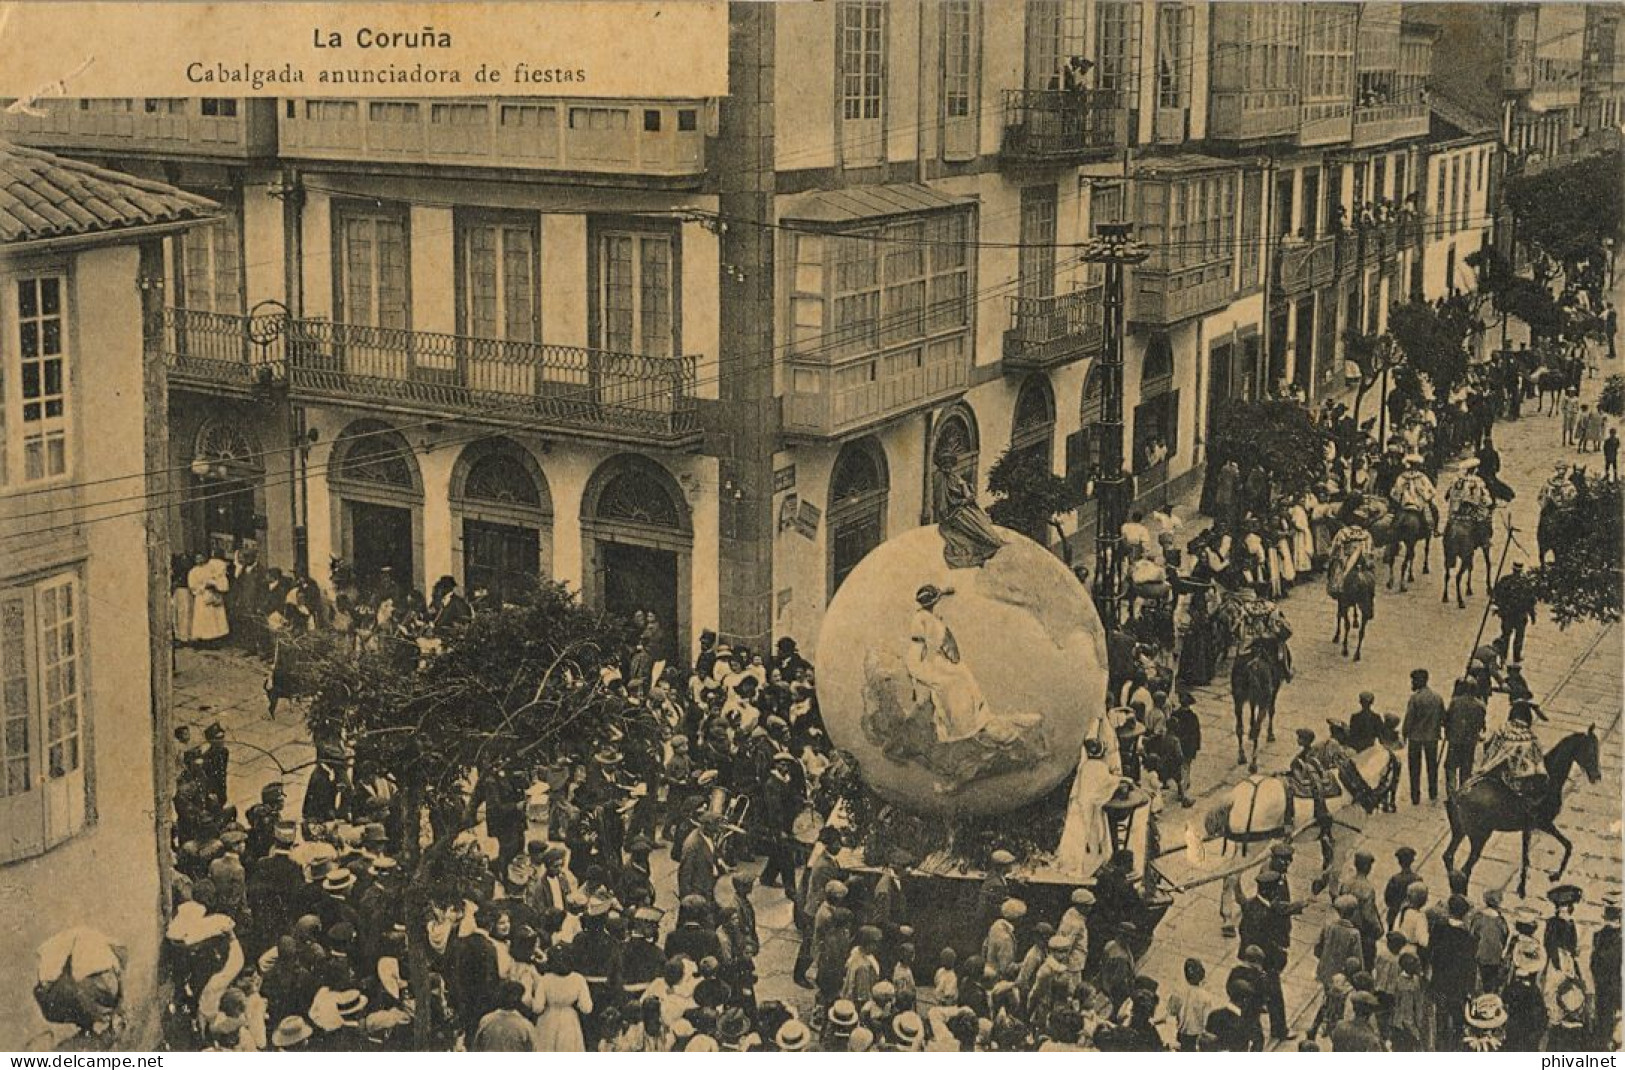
859	490
638	541
225	507
502	519
1083	461
1032	428
377	500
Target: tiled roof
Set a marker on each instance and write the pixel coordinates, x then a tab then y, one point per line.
1452	119
869	202
44	196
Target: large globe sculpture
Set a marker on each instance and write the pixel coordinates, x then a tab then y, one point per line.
961	690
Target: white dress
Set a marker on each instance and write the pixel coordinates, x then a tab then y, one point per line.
935	665
208	583
564	999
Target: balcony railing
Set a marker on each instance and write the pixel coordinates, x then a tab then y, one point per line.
1305	265
590	392
1055	125
1381	123
659	138
827	398
218	351
230	127
1046	332
1326	122
1165	297
1246	115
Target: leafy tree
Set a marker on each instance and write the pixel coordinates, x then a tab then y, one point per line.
1612	398
1281	436
1371	353
1434	340
1584	579
1564	214
1028	497
517	690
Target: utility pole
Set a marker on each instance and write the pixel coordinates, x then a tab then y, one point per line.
1115	247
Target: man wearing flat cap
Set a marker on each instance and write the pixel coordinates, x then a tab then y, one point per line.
1266	923
999	947
996	885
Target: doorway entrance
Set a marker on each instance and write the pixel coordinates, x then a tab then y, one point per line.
639	577
504	559
381	546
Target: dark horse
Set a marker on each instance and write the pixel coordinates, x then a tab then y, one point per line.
1356	605
1489	806
1463	536
1404	528
1255	680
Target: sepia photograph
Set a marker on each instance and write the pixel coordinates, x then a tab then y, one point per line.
811	526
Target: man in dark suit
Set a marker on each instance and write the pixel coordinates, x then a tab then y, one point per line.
474	975
214	760
1266	923
1454	951
697	868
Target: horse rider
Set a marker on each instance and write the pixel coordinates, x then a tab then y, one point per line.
1469	497
1257	617
1513	754
1414	492
1351	548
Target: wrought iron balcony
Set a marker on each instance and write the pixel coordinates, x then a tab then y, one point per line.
1305	265
1163	297
217	351
1046	332
219	127
1060	125
592	393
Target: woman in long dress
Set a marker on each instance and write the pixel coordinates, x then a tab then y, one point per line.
209	583
967	534
563	997
180	600
934	663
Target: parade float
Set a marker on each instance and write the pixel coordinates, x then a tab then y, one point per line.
963	669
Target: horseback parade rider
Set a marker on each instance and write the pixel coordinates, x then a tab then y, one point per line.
1513	754
1259	618
1414	492
1351	548
1469	497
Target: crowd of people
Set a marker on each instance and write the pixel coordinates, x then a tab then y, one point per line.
301	930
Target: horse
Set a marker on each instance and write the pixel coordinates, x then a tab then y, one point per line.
1489	806
1255	680
1550	382
1404	527
1462	536
1356	605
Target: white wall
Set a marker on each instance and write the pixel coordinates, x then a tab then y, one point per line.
107	877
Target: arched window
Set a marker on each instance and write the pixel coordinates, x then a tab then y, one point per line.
370	452
638	496
859	490
501	479
956	441
1033	426
229	444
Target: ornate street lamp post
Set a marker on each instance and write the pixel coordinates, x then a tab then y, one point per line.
1115	247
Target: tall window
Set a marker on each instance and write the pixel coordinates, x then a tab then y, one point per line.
1036	268
42	791
862	55
636	292
1328	60
1107	204
499	279
1174	24
1455	193
882	286
211	268
1252	210
373	279
1439	218
1054	36
1117	50
37	410
961	65
1201	219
